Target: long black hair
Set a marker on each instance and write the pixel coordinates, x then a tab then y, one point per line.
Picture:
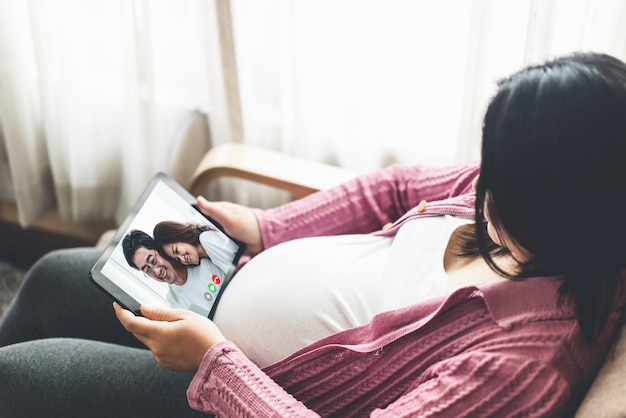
553	176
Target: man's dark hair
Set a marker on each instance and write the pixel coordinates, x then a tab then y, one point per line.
133	240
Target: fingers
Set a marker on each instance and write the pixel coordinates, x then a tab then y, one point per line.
211	208
161	314
152	316
223	212
176	344
132	323
124	315
203	204
141	327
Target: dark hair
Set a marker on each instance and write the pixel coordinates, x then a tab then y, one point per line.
133	240
553	176
168	232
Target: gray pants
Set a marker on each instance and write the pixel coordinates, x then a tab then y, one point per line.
64	354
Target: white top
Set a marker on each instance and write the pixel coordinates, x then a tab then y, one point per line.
199	291
220	249
295	293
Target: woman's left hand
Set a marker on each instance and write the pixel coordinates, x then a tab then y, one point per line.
178	338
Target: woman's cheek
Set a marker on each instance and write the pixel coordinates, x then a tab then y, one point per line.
493	234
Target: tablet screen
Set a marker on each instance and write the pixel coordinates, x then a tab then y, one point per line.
167	253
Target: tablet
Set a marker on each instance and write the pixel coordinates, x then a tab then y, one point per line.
167	253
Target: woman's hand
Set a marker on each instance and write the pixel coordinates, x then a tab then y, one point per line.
178	338
238	221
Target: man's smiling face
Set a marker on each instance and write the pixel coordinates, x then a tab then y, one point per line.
152	264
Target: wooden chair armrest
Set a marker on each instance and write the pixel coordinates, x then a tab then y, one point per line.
296	175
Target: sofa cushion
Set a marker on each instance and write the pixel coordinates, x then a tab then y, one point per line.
605	398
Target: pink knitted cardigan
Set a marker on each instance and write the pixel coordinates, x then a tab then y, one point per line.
504	349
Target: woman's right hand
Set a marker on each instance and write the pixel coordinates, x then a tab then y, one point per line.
178	338
238	221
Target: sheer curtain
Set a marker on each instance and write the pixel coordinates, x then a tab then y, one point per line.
94	93
364	83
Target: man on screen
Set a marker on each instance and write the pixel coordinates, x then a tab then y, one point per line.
191	287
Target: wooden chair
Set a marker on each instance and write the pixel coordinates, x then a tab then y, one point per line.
298	176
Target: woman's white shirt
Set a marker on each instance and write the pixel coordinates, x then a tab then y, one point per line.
220	249
297	292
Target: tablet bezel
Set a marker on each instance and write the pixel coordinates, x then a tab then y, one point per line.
121	296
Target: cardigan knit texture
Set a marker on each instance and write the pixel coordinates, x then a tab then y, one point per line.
502	349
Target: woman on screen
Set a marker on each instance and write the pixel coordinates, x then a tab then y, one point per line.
189	243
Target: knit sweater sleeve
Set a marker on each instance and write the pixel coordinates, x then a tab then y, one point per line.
479	384
228	384
365	204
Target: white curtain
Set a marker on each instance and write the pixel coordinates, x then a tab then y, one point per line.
93	94
364	83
